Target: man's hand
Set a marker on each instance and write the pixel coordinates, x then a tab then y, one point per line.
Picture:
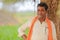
24	37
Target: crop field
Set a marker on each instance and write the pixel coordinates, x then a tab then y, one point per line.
10	32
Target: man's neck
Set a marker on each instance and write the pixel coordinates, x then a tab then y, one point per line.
42	19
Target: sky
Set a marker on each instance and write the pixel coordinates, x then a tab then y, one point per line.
18	6
1	5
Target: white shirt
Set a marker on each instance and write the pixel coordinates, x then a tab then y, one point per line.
40	31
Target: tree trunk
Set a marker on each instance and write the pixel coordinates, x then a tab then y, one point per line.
53	10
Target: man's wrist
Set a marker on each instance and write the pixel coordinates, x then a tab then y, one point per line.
24	36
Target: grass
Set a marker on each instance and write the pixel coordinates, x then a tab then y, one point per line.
10	32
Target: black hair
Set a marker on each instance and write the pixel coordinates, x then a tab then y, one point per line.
43	4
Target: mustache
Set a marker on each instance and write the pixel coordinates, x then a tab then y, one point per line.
39	16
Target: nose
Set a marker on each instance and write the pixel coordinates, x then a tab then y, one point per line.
40	12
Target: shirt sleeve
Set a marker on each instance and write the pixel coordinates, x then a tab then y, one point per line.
22	28
54	31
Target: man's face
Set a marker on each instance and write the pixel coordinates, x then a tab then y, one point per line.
41	12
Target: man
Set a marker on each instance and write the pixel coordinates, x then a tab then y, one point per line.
41	28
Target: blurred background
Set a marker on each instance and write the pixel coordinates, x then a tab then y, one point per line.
13	13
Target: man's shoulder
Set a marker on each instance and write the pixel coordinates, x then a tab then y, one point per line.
32	18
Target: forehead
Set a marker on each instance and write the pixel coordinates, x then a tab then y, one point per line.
40	7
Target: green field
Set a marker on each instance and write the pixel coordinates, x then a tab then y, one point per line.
10	32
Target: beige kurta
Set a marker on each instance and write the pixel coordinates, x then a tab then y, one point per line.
40	30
